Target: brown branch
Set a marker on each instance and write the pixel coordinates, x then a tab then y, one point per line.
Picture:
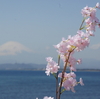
57	78
65	66
59	90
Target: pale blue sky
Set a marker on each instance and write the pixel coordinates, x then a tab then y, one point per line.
37	25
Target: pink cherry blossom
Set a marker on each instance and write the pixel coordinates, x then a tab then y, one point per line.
60	75
92	20
79	61
98	5
72	61
63	47
93	13
88	21
91	23
89	33
80	33
49	59
46	97
91	26
52	66
81	81
72	68
67	75
69	84
72	74
78	42
86	11
69	81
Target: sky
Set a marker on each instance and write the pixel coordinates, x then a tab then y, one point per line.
30	28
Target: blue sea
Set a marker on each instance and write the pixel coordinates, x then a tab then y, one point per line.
32	84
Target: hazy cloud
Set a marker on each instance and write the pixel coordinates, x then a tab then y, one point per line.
96	46
12	48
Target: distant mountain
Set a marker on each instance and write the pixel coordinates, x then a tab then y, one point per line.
22	66
86	64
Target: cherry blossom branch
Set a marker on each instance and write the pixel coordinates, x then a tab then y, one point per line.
66	48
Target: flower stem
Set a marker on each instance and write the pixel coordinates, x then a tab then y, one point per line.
82	24
57	78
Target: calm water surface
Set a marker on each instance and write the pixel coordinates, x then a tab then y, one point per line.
32	84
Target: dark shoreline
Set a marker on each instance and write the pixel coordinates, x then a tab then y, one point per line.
91	70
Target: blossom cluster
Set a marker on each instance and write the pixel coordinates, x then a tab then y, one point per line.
52	66
92	20
67	47
46	97
69	81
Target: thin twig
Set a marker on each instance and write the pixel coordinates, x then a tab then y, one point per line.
82	24
57	78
